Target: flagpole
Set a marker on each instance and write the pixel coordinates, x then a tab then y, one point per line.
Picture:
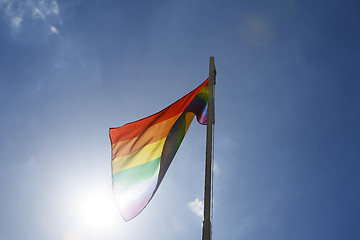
207	225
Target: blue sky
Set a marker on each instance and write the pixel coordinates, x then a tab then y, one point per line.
287	131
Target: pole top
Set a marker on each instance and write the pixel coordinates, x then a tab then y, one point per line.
212	69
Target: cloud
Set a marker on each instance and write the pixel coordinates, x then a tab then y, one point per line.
49	7
197	207
19	11
37	13
16	21
54	30
13	12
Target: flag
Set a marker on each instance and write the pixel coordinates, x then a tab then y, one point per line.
141	151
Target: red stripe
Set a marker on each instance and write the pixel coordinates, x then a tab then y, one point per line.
135	129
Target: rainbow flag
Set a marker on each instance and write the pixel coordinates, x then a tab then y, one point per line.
143	150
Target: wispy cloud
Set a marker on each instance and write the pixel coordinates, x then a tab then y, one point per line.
20	11
49	7
12	12
197	207
16	21
37	13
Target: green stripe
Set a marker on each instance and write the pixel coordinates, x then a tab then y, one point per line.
136	174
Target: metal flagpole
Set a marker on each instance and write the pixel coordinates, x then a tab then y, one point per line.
206	235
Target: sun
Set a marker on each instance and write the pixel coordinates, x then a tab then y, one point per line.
94	210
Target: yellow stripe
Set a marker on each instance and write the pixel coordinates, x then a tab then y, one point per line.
144	155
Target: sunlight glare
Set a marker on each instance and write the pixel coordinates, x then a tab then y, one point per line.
96	210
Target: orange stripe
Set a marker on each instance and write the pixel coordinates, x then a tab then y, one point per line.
189	116
150	135
135	129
